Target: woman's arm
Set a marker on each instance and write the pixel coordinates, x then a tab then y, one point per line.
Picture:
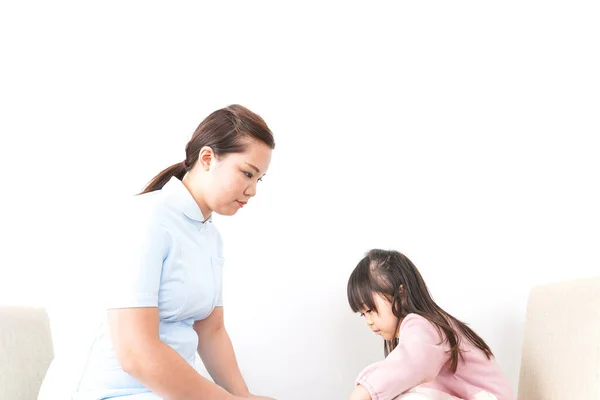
216	351
135	337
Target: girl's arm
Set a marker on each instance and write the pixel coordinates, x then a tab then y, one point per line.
418	358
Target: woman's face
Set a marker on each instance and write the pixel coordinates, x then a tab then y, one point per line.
230	181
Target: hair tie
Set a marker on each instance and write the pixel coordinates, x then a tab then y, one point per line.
185	164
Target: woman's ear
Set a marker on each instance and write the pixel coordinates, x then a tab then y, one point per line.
206	157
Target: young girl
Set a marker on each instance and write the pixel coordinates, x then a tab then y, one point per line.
429	353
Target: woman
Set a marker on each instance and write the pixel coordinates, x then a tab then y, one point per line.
166	302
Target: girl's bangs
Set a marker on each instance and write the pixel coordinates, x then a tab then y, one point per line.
360	289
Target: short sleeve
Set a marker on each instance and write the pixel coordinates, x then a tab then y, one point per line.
141	245
217	267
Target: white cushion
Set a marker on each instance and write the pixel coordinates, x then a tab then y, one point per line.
561	349
25	351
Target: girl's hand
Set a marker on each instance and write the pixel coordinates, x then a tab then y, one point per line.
360	393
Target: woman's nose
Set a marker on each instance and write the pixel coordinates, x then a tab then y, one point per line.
250	191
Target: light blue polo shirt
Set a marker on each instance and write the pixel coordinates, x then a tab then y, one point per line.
165	257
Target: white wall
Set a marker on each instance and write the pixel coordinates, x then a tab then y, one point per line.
459	133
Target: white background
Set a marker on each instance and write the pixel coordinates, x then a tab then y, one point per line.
463	134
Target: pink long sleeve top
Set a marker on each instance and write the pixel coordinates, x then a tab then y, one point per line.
422	360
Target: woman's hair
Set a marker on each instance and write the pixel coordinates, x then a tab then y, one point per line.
392	275
228	130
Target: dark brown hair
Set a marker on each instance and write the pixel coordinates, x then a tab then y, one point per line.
392	275
227	130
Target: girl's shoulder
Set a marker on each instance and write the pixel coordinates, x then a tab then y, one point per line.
417	326
413	319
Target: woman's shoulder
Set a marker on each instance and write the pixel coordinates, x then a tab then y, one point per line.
148	207
134	217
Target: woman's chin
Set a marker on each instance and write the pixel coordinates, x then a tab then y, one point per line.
227	211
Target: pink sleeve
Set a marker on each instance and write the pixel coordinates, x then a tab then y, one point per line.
418	358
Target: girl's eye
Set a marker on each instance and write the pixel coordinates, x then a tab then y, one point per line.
366	312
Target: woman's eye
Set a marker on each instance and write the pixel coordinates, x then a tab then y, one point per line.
260	179
248	174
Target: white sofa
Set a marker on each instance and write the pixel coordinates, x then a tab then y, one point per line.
25	351
561	350
560	356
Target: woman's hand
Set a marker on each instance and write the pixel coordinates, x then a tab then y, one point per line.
360	393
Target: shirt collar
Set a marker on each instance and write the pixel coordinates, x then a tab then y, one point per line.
185	200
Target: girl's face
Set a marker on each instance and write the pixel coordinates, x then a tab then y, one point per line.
383	322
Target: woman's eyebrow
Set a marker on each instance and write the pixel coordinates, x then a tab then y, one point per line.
256	169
